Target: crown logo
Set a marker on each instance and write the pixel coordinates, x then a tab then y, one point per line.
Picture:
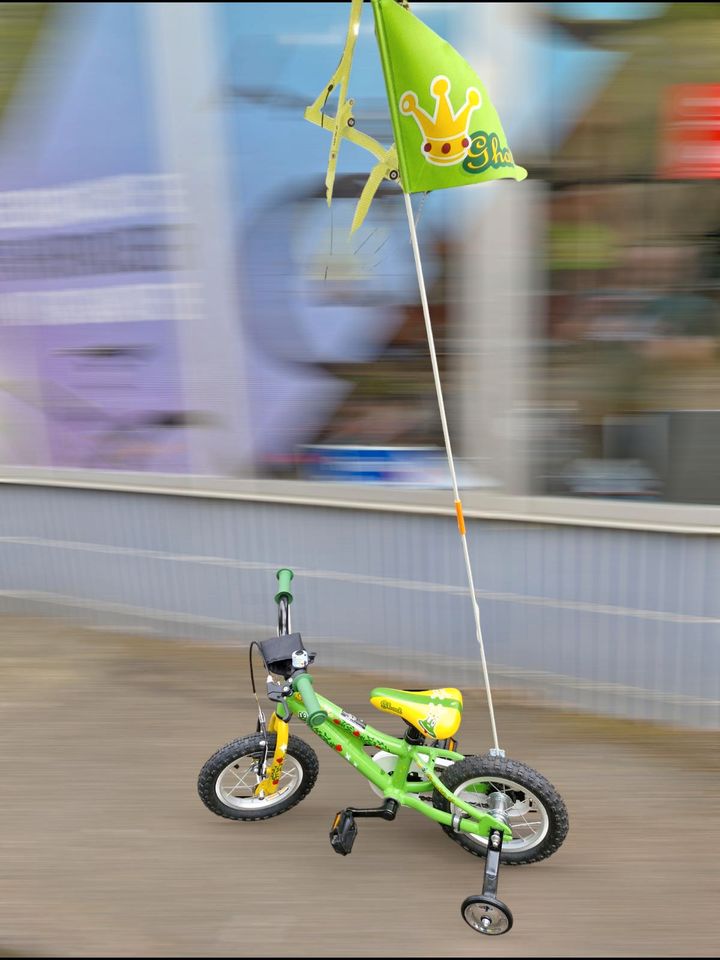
445	134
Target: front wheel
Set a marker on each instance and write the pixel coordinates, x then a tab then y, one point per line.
227	781
535	810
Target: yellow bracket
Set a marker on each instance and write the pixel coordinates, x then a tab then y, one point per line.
315	115
342	126
386	169
269	785
340	79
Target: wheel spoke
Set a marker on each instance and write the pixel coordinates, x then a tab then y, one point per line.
240	780
241	793
529	821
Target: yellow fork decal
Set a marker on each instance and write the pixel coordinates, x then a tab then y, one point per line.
269	785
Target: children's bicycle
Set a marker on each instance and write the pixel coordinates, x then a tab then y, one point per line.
491	806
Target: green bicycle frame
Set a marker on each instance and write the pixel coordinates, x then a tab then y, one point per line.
348	736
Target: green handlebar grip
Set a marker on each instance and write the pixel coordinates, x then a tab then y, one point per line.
284	576
303	685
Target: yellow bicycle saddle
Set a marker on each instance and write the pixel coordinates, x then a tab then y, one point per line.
435	713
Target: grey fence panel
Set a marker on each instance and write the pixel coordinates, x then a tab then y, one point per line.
616	621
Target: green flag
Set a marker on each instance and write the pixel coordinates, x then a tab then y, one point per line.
447	131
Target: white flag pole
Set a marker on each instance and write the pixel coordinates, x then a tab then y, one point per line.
448	450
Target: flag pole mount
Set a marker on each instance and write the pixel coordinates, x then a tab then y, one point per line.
496	750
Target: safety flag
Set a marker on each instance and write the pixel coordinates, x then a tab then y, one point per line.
447	132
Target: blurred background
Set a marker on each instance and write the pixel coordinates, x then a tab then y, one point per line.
176	297
203	377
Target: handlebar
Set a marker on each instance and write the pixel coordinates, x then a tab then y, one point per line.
303	684
284	576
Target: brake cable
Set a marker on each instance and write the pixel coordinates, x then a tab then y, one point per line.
283	628
261	726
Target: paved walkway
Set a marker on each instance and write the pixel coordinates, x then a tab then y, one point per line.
106	849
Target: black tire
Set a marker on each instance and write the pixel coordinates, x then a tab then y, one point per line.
488	915
305	768
545	800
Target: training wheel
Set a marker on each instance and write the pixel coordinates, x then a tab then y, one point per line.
487	915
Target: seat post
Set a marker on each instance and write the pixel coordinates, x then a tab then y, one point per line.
413	736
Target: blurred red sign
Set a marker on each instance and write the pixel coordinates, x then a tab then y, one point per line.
691	132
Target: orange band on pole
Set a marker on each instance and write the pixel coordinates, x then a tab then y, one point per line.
460	518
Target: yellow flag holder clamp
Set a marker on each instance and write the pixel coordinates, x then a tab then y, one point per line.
343	127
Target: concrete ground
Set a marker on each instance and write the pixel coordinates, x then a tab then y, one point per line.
107	850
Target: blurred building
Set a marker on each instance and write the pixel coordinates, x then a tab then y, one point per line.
175	296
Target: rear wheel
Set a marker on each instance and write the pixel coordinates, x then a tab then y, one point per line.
227	781
535	810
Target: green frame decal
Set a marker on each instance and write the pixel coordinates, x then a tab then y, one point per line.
348	736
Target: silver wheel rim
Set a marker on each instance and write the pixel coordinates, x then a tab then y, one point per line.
527	816
486	918
235	786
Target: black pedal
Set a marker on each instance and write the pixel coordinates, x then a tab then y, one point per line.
343	833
